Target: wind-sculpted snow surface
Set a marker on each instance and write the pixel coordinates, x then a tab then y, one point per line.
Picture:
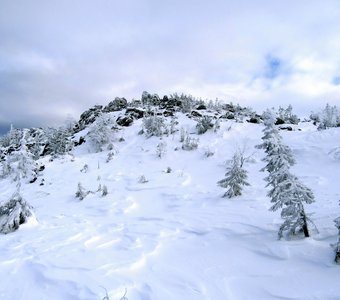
174	236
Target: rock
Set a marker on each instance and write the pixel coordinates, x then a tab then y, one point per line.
201	107
148	99
254	120
170	103
229	116
116	105
229	107
34	179
80	141
289	128
124	121
89	116
135	112
196	114
279	121
168	113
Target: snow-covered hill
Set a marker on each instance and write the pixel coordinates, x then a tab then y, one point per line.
174	236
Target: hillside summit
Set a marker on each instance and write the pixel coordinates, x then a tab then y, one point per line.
172	198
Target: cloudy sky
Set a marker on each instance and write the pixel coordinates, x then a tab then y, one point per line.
58	58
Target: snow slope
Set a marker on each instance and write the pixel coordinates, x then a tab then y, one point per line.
173	237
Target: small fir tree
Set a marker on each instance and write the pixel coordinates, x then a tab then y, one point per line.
81	192
161	149
104	191
329	117
204	124
236	178
15	212
270	132
142	179
278	161
25	164
337	245
190	143
153	125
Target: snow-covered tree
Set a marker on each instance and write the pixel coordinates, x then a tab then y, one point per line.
189	143
270	132
278	161
217	125
236	177
5	167
286	192
14	212
142	179
153	125
287	116
15	136
23	159
187	102
173	124
204	124
290	195
329	117
336	246
100	132
58	141
161	149
104	191
38	139
81	192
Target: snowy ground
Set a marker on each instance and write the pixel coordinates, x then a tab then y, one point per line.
173	237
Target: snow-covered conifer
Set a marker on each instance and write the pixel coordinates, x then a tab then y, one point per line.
329	117
236	178
217	125
189	143
161	149
142	179
100	132
278	161
204	124
173	124
270	132
290	195
81	192
286	192
5	167
104	191
153	125
25	164
337	245
183	134
58	141
85	168
14	212
287	116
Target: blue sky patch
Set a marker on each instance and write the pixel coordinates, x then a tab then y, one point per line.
336	80
273	67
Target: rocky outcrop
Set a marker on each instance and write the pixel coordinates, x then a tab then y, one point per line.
88	117
116	105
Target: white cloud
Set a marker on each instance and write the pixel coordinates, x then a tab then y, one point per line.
67	56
